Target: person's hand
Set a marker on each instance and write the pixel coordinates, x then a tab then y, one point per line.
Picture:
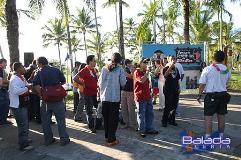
29	86
147	73
172	64
199	98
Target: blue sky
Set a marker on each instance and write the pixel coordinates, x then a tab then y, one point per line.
30	31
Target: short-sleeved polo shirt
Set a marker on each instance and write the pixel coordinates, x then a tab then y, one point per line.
215	78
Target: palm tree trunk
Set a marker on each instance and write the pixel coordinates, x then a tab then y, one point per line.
86	52
97	32
121	41
154	30
66	15
163	22
186	21
74	57
12	30
221	27
60	67
116	21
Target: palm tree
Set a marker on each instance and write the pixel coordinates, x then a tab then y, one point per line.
170	16
130	28
112	40
12	29
96	44
150	16
218	7
110	3
92	5
121	32
76	46
55	33
186	20
84	23
2	13
199	23
12	23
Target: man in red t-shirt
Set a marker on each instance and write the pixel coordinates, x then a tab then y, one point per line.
143	99
89	81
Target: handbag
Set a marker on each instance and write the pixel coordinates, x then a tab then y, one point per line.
53	93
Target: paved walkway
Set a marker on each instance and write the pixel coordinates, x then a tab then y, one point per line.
166	145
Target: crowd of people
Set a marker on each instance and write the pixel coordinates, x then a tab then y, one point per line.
120	91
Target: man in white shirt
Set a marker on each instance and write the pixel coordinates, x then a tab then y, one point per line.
213	82
19	101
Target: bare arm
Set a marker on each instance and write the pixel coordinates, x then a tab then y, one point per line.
77	79
201	89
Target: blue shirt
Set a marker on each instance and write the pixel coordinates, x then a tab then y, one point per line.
110	83
49	76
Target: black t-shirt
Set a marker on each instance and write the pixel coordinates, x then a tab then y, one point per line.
129	82
172	81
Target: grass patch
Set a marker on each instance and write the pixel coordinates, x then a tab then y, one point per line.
235	82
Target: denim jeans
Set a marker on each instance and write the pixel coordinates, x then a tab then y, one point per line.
58	109
80	107
76	100
89	103
21	117
145	116
4	105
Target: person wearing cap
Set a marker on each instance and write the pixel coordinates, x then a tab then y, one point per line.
143	99
127	97
19	103
213	82
171	92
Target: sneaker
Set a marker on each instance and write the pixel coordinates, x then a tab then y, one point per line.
78	119
152	132
113	143
93	130
53	141
6	123
143	135
52	122
63	143
173	123
26	148
164	124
